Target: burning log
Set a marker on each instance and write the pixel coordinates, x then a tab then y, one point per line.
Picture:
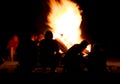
61	45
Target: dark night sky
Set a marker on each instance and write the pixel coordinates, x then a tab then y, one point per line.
23	16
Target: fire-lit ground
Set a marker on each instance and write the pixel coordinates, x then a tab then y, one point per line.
59	77
8	72
113	65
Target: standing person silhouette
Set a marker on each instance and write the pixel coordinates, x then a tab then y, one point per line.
48	51
12	48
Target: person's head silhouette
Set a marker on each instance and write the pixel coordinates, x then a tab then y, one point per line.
83	44
48	35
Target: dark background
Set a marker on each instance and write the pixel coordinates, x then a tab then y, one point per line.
25	16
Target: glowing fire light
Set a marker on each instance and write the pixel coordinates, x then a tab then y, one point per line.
64	20
87	50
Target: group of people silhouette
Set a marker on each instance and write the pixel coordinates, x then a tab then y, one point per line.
31	53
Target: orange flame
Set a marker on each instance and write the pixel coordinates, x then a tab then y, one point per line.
64	20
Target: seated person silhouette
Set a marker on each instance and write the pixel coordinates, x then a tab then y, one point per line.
97	61
74	60
48	51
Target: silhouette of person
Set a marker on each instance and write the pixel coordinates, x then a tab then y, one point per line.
12	47
48	51
74	60
34	46
40	37
96	61
27	54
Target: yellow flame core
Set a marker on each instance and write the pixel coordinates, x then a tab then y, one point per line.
65	20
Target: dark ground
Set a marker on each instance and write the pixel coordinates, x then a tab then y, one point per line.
58	77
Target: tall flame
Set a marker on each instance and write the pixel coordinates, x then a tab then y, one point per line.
64	20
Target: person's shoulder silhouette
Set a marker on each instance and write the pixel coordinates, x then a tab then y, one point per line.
78	47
